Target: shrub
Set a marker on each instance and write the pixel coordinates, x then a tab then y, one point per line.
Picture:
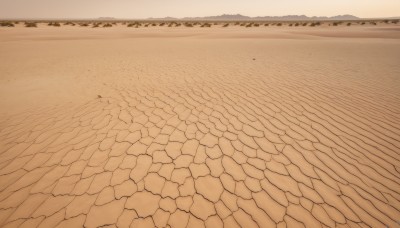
335	23
348	24
30	24
279	24
107	25
206	25
6	24
266	24
373	23
225	25
256	25
297	24
249	25
305	24
84	24
134	24
237	23
395	21
56	24
315	24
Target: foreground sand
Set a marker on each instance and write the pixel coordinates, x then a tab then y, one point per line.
192	127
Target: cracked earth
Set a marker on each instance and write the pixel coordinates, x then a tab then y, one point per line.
200	132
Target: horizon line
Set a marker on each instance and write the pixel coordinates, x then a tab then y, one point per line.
181	18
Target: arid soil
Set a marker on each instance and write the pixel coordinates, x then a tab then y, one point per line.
194	127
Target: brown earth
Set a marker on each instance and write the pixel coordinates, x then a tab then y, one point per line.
193	127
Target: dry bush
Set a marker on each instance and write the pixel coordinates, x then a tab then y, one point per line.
313	24
349	24
290	24
305	24
56	24
373	23
243	24
6	24
249	25
279	24
162	24
69	23
107	25
206	25
297	24
187	24
266	24
134	24
225	25
84	24
237	23
153	24
395	21
256	25
30	24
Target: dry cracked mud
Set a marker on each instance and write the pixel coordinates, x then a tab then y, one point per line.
308	134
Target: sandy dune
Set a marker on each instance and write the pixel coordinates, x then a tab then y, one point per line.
193	127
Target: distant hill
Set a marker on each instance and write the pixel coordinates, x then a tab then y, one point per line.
106	18
239	17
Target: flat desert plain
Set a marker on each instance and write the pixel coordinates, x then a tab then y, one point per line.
193	127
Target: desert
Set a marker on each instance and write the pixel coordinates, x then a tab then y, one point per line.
201	124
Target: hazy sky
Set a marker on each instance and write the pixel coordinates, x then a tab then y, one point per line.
184	8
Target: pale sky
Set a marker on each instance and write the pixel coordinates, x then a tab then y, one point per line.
193	8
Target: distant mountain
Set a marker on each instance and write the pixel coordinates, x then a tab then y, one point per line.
106	18
239	17
221	17
344	17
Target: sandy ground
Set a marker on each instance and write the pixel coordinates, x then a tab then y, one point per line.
193	127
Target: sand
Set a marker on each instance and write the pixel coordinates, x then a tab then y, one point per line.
193	127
